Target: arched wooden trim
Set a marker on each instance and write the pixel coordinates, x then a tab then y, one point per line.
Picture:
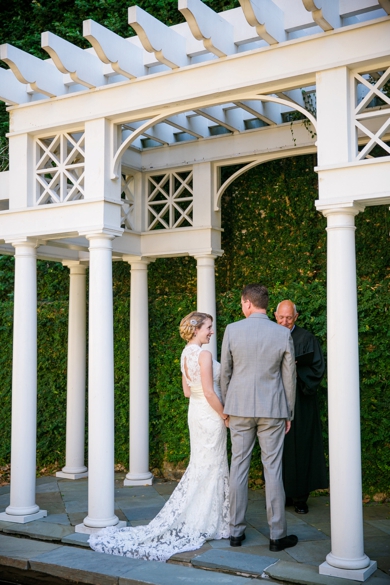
178	110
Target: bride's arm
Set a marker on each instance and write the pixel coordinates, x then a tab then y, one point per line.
206	377
186	388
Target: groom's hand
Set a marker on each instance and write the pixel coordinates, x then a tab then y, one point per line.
288	425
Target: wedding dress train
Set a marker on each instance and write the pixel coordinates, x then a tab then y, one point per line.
198	509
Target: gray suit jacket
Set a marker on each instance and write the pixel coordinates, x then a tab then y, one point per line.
258	369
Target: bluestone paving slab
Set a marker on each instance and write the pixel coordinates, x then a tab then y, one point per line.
4	501
37	529
377	547
76	518
186	557
56	519
76	538
384	564
323	526
165	488
252	538
46	479
76	506
154	573
4	489
85	566
146	512
311	553
46	488
263	551
382	524
308	575
249	565
16	552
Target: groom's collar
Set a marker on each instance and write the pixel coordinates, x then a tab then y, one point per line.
258	316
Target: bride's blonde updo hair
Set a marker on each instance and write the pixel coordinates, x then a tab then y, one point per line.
190	323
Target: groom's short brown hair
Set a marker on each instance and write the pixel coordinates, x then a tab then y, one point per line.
257	294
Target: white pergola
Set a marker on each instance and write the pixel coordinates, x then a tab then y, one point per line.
116	152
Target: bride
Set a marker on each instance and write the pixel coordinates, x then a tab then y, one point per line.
198	509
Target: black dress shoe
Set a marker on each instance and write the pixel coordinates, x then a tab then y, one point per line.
301	508
282	543
237	540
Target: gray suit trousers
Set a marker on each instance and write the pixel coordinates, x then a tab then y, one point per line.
270	432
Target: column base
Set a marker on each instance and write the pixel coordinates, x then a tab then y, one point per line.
4	517
137	479
355	574
65	475
82	529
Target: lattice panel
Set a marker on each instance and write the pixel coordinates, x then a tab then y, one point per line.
127	210
170	200
59	168
372	113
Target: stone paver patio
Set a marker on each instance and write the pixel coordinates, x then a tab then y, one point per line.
49	548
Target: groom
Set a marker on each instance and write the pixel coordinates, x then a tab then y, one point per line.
258	389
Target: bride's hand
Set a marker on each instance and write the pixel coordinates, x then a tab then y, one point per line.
226	421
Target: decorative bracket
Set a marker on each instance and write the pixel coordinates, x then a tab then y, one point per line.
167	45
125	57
209	27
41	75
267	18
325	13
82	67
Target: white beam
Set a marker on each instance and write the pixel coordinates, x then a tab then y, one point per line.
216	115
83	67
125	58
209	27
267	19
167	45
41	75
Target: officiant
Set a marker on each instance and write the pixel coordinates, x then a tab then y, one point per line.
304	467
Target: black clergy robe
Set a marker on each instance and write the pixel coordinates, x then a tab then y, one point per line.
304	467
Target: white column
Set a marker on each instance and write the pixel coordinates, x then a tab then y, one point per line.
22	506
205	264
75	406
100	388
139	473
347	558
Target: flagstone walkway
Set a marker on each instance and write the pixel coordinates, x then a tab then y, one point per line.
49	550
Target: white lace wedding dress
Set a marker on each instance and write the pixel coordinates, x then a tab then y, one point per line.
198	509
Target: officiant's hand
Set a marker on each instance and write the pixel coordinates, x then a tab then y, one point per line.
288	426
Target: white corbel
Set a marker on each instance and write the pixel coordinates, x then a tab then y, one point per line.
125	58
11	90
41	75
84	68
209	27
267	18
168	46
325	13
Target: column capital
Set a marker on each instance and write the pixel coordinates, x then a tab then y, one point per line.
109	233
328	208
76	266
24	242
138	261
205	256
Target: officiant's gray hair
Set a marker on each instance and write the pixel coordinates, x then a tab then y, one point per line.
293	304
190	323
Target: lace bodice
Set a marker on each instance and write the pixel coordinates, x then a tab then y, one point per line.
190	358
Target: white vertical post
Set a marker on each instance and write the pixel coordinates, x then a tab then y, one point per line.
75	406
347	558
100	388
335	106
22	506
205	264
139	473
